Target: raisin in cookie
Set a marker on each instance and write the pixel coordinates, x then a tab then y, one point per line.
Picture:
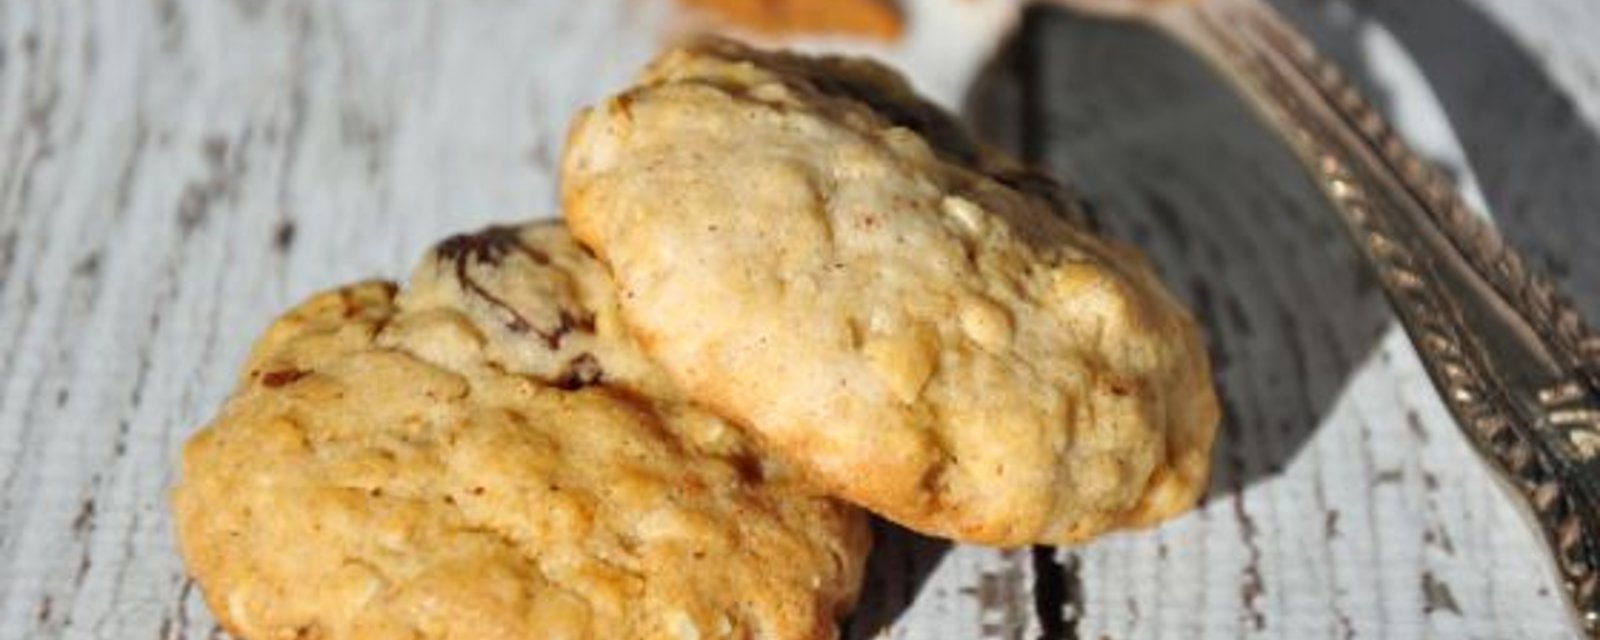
485	457
913	319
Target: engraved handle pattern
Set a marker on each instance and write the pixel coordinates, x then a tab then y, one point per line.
1515	363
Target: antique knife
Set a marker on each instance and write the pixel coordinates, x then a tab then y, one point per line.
1514	362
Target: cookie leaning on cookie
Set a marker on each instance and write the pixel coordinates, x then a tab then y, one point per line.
486	456
910	317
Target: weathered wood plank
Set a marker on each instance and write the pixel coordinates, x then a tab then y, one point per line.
175	173
1343	503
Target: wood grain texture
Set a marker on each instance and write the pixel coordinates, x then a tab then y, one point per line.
175	172
1343	502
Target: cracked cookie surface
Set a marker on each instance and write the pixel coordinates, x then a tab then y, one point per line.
487	456
916	321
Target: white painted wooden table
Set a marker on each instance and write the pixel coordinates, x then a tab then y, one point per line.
174	172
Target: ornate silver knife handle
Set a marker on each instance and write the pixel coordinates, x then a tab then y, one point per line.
1515	363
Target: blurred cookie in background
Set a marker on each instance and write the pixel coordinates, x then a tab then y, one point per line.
877	19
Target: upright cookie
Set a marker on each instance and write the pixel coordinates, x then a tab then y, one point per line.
913	319
484	458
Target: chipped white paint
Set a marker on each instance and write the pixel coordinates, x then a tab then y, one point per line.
174	172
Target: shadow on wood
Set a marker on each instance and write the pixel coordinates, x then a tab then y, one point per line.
901	562
1535	156
1169	159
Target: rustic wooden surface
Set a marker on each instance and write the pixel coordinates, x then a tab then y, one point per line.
174	172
